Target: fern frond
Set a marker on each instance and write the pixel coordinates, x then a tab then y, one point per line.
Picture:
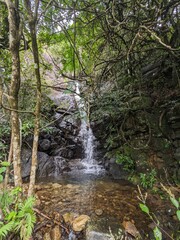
27	229
21	220
27	218
27	205
31	220
5	199
5	229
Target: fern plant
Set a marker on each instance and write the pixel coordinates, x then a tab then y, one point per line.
5	229
26	218
19	216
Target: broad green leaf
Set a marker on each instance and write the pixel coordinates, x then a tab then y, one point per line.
2	169
1	178
174	202
178	214
157	233
144	208
5	164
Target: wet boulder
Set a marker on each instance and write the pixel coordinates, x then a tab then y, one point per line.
26	162
44	163
45	144
117	171
63	152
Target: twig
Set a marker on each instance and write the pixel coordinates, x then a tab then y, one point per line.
153	34
141	198
152	215
15	110
41	225
56	222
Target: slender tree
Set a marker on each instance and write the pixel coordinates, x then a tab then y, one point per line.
32	21
14	43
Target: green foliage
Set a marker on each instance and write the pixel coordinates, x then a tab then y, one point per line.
4	26
25	218
27	127
144	208
5	229
148	179
157	233
9	197
126	161
178	214
4	129
4	135
3	166
176	203
19	216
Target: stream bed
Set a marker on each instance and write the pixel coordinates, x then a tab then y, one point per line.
107	202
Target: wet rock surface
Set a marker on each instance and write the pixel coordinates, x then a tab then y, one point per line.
60	145
150	138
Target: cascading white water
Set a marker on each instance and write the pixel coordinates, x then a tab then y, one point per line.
86	135
88	138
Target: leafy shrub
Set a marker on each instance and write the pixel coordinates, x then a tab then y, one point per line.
27	127
147	180
126	161
19	217
3	166
17	213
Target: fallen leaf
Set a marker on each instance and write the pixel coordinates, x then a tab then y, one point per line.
131	228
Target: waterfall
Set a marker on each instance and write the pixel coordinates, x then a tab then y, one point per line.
86	134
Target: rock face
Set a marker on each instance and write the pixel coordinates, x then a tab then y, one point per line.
150	138
59	145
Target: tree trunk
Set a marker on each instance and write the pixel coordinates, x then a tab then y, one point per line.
14	43
10	157
32	26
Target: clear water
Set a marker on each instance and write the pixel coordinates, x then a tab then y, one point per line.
87	194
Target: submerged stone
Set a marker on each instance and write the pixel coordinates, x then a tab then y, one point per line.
47	236
93	235
80	222
69	217
56	233
99	212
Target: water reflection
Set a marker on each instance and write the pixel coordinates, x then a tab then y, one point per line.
106	201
